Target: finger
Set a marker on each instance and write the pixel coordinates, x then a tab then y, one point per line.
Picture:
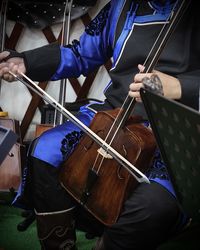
8	77
3	65
15	69
141	68
139	77
11	78
134	94
4	70
132	87
138	99
21	69
136	86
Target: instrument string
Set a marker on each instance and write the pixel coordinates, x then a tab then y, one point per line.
65	35
138	175
156	45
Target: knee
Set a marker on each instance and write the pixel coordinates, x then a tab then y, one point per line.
150	211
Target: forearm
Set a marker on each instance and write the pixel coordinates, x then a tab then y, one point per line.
41	63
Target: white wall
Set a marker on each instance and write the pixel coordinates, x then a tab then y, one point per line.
15	97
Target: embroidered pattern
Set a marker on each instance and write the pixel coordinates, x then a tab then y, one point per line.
97	25
74	47
158	169
69	143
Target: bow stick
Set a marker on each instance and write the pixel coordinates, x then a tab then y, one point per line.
139	176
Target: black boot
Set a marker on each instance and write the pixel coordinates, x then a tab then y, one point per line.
56	230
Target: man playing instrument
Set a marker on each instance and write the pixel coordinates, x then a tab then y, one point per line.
124	30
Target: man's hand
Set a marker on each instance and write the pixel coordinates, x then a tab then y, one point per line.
15	65
171	85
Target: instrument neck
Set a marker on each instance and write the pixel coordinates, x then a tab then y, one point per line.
179	9
59	118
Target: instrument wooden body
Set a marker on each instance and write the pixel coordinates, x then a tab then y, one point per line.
10	169
102	192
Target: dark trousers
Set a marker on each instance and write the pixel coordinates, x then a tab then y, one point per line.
150	215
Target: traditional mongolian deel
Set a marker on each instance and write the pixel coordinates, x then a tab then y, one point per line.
120	23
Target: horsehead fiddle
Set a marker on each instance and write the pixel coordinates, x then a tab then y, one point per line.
126	146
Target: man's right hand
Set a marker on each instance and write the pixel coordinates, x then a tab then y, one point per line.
14	64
